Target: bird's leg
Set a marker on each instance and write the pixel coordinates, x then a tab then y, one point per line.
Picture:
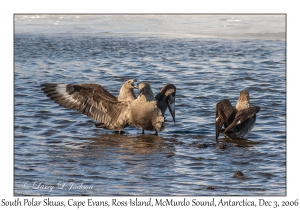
143	131
119	132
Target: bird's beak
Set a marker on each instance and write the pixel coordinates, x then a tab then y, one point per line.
171	106
135	86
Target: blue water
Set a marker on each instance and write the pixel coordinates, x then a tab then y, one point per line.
54	145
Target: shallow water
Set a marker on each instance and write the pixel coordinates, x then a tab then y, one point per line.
54	146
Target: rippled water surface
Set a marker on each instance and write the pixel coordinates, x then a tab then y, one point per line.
54	146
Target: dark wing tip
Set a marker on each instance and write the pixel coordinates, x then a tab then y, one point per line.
47	86
166	99
243	115
224	114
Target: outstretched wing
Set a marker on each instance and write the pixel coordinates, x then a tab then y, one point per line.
224	115
166	98
91	100
242	116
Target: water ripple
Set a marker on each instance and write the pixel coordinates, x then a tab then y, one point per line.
53	144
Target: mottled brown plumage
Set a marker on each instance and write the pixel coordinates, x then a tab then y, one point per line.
93	100
237	121
147	111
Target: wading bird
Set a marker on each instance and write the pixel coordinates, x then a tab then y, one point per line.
238	120
110	112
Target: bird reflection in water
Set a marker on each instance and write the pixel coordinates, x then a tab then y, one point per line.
142	144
